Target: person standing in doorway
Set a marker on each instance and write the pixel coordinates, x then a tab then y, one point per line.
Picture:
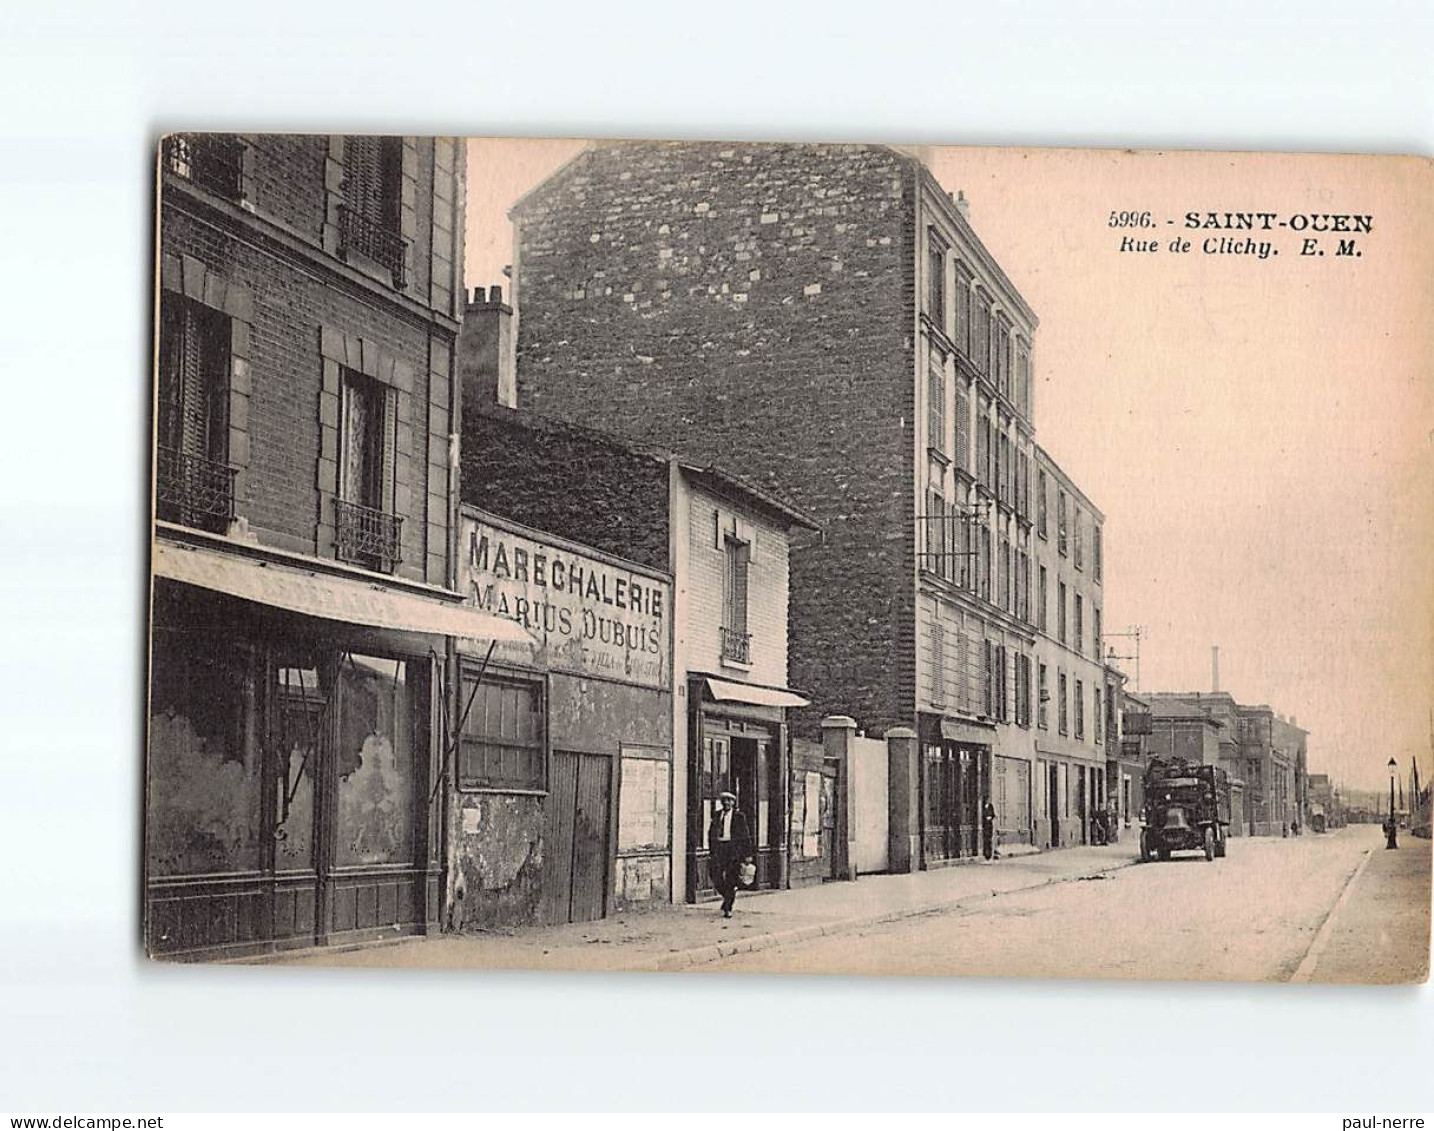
731	844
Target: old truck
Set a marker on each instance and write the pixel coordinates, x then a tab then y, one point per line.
1187	806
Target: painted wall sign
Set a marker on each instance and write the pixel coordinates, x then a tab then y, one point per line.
592	617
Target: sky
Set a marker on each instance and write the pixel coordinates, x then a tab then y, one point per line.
1257	432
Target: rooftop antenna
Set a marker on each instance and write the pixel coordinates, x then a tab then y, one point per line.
1133	633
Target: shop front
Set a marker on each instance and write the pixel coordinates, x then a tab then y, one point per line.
293	750
563	779
955	781
739	742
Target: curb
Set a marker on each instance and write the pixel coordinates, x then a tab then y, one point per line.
1305	971
703	955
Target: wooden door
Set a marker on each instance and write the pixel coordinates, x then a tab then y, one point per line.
576	838
592	818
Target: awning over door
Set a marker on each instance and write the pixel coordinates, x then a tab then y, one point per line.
733	692
333	598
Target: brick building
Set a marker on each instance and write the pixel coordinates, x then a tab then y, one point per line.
825	321
303	598
721	545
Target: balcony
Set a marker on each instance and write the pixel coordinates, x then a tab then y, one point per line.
367	537
213	162
736	646
193	491
375	241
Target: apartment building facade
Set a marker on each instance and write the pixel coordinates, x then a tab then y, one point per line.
303	600
825	321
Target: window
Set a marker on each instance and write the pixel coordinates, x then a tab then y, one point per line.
936	400
1061	709
501	741
936	280
1079	708
213	162
1098	638
1062	531
982	344
963	308
1043	697
1003	575
1061	611
366	532
736	640
1096	564
988	683
1003	705
370	217
1079	624
983	447
1097	717
1003	469
1041	504
194	482
963	428
1023	691
1042	618
1078	521
938	662
985	563
936	548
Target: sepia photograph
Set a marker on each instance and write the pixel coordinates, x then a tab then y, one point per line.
771	563
790	557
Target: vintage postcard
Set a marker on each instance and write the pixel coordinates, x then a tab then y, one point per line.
801	558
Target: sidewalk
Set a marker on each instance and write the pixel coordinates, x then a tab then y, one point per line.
677	937
1379	931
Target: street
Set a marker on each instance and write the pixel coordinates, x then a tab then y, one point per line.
1253	916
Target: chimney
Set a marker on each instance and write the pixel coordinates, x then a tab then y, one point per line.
963	205
1215	667
485	350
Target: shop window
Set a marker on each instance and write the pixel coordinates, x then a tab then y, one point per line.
301	719
194	482
502	743
375	757
366	532
205	757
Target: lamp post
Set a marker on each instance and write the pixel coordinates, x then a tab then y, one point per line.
1393	826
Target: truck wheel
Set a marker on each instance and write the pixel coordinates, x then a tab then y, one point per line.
1163	853
1220	846
1144	847
1209	843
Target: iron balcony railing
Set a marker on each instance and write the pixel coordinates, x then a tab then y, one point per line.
373	240
214	162
736	646
194	491
366	536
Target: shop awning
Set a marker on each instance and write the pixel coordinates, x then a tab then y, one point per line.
350	600
733	692
954	730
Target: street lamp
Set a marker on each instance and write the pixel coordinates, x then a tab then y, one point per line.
1393	827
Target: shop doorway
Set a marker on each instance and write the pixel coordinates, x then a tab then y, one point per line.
1054	806
576	838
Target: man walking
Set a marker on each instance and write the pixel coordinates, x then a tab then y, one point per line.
730	841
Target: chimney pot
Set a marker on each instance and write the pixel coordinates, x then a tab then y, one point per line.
479	296
495	293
